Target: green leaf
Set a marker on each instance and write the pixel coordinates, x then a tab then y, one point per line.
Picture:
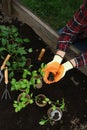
31	101
47	99
14	29
34	73
11	74
30	50
3	41
43	121
15	102
38	81
18	40
13	81
32	81
2	49
54	107
21	51
26	40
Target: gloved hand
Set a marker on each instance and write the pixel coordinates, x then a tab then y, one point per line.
67	66
60	72
51	70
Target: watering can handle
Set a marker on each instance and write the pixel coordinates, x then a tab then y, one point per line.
6	59
6	75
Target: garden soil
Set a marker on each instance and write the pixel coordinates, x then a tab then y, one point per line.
73	88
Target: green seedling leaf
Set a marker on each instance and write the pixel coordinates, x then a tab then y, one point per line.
31	101
26	40
30	50
38	81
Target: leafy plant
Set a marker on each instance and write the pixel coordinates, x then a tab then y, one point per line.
41	100
11	43
25	82
22	84
23	102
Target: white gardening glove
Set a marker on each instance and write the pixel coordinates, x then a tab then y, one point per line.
57	58
67	66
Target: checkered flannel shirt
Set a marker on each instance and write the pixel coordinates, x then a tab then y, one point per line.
76	28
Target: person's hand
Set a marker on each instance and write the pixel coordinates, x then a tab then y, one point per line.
51	70
67	66
59	72
63	68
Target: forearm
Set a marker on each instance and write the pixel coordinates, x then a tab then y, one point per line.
73	27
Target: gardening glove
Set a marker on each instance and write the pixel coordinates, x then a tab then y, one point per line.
51	69
60	72
63	69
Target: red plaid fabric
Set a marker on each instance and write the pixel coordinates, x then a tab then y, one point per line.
81	60
76	28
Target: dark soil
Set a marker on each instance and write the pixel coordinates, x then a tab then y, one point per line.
73	88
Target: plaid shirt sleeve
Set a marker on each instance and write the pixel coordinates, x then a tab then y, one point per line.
73	27
71	30
81	60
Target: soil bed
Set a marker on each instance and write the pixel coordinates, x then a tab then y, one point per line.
73	88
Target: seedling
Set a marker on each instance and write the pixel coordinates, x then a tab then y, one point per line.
22	101
44	121
40	70
41	100
54	113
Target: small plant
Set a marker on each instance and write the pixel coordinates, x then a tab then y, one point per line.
40	70
62	105
58	104
23	100
44	121
41	100
27	80
54	113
